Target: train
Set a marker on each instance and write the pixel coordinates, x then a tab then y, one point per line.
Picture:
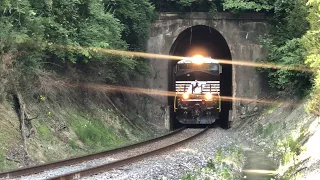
197	98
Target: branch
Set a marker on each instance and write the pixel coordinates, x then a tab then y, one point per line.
11	159
248	116
29	119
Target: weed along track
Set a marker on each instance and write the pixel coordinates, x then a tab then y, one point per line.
100	162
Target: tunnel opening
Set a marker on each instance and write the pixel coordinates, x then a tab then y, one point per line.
208	42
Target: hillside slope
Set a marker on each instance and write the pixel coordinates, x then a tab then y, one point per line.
289	136
66	129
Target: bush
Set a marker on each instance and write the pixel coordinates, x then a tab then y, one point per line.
222	166
311	42
291	54
95	134
46	36
285	47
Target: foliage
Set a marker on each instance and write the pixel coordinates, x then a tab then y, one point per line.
95	134
44	132
137	16
259	130
187	5
287	25
245	5
5	164
35	34
210	5
222	166
311	41
292	53
290	148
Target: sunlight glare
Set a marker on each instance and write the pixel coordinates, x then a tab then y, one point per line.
178	58
134	90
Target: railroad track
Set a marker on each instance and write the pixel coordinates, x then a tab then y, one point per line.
125	155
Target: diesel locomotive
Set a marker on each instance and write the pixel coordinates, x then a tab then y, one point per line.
197	86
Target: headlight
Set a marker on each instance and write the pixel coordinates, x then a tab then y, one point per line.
197	59
209	96
186	96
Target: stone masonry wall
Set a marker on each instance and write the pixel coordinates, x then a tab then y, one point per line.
241	33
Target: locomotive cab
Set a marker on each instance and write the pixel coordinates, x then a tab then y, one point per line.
197	84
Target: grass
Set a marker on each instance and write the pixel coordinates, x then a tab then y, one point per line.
259	129
6	165
73	144
67	130
44	132
96	135
289	145
222	166
9	136
289	149
271	109
86	132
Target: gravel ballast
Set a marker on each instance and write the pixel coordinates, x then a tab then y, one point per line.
117	156
174	164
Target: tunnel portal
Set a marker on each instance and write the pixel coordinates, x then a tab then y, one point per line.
208	42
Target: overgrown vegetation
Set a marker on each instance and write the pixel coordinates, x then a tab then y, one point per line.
36	35
311	42
225	165
60	133
233	6
283	135
101	135
288	24
46	47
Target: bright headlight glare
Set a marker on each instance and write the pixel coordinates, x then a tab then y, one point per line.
209	96
197	59
186	96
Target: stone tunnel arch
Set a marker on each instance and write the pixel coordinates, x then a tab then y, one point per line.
207	41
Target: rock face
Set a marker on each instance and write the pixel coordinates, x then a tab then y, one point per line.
241	32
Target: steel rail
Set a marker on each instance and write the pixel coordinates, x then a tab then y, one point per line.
119	163
72	161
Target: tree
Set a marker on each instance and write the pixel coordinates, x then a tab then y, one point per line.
247	5
137	16
311	42
288	24
42	32
187	5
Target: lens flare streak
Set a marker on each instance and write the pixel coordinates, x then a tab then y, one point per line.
259	171
133	90
170	57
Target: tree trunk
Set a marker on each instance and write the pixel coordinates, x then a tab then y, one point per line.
23	116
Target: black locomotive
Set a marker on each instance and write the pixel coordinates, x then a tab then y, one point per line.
197	85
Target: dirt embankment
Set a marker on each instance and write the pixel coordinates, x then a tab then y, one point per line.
288	137
74	124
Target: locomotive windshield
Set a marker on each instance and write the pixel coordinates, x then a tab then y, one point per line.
204	66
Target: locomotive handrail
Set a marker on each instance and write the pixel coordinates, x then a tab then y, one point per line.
174	103
175	99
219	98
219	102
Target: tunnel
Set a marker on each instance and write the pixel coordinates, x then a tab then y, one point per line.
208	42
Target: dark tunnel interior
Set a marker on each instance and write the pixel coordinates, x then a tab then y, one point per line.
207	42
202	40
